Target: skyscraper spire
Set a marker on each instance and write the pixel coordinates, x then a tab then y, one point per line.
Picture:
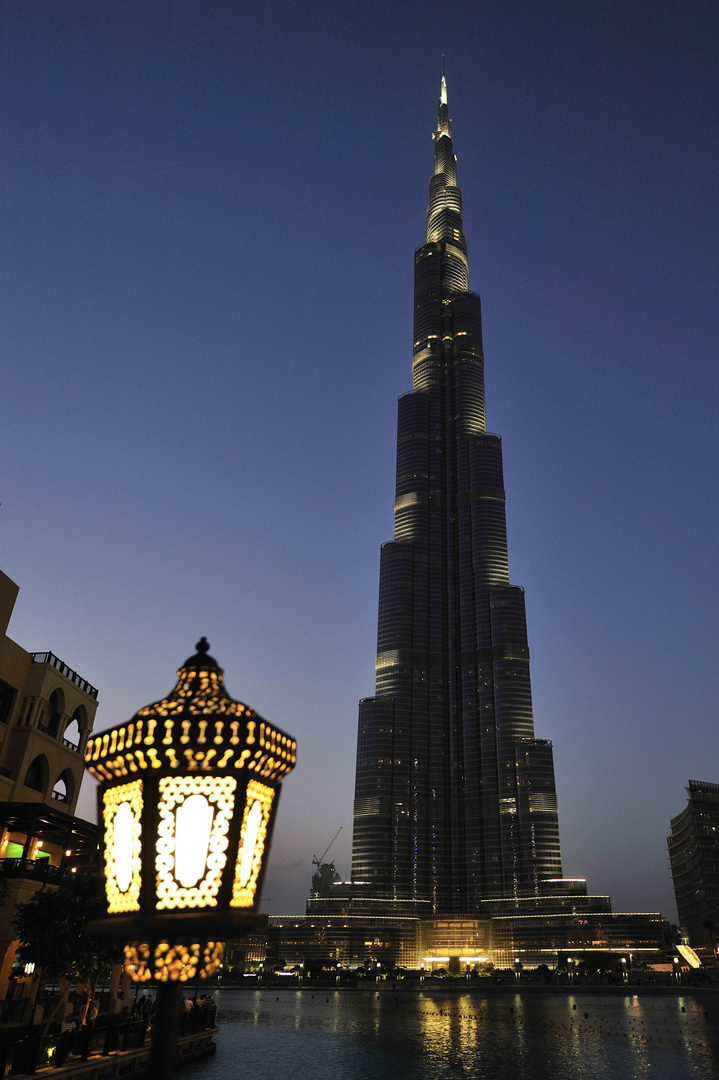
444	124
454	800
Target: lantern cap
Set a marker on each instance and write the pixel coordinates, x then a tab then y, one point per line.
201	659
198	726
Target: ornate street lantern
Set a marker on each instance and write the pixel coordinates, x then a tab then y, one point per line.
188	794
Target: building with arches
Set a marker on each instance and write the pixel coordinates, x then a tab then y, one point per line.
46	715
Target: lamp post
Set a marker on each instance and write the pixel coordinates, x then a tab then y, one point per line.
188	794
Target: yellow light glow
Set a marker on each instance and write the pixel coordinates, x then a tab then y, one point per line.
179	962
218	793
122	843
122	891
254	821
193	824
252	843
689	955
276	758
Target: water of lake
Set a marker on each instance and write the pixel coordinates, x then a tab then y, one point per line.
363	1035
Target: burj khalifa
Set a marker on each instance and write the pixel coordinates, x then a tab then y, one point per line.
455	799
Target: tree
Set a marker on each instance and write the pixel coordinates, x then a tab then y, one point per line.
51	927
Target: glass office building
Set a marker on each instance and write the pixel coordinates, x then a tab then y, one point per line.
694	858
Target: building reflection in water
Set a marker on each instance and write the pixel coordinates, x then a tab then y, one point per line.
388	1035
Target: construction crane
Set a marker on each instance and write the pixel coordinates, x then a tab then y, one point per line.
325	875
318	861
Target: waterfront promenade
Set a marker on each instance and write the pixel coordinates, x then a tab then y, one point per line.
113	1047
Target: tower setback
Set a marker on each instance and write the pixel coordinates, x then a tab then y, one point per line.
455	799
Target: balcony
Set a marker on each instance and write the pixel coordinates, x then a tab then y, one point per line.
53	661
33	869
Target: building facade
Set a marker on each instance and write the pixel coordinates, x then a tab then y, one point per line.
694	859
46	715
455	799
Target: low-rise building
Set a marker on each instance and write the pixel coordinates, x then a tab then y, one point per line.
47	711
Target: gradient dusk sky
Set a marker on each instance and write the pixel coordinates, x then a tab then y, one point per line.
209	213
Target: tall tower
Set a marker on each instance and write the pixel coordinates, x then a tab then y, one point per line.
455	801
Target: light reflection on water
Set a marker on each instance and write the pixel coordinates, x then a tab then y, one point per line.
327	1035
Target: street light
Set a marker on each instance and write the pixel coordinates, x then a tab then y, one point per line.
188	794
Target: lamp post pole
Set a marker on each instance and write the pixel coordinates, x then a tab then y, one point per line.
163	1051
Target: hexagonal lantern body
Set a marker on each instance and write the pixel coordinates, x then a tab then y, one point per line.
188	794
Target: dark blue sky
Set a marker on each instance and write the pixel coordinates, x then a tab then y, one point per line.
209	212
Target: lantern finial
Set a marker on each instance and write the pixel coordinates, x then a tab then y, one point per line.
201	659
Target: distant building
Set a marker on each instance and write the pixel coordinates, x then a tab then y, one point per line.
694	858
346	940
46	714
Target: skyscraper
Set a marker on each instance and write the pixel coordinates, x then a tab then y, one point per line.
694	859
455	800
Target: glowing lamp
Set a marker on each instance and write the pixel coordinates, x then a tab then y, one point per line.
188	794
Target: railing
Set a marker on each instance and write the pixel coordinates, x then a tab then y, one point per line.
65	742
36	869
115	1035
53	661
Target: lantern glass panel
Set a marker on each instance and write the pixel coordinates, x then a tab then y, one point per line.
258	806
254	820
193	826
218	793
122	821
123	846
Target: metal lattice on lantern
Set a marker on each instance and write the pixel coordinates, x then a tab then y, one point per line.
188	794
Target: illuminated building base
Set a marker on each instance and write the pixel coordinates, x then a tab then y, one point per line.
459	943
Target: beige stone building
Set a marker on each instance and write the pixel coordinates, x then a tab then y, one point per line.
46	714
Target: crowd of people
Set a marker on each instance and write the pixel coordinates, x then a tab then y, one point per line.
86	1009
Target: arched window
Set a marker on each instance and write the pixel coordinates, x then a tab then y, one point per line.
71	734
54	707
37	773
63	787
